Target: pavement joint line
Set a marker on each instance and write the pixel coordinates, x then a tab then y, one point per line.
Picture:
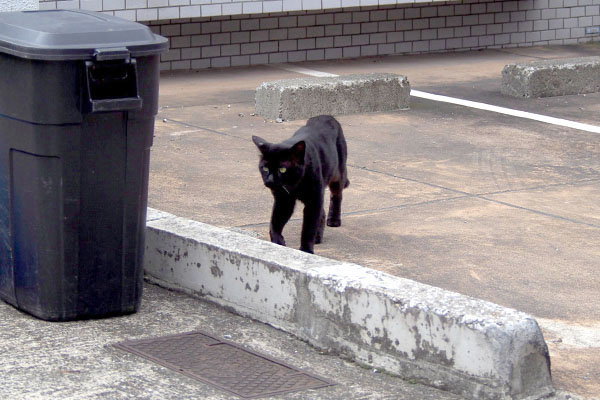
507	51
538	187
179	107
466	103
467	194
543	213
401	206
483	196
365	212
200	128
411	180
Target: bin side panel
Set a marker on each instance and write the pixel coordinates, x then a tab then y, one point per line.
139	141
7	290
30	165
36	192
39	91
102	183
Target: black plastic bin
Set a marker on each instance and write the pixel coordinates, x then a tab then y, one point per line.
78	96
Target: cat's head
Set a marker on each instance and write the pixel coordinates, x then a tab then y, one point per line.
281	165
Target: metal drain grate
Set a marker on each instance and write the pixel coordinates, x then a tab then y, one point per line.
223	364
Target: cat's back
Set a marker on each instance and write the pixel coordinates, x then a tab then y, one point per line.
326	123
323	128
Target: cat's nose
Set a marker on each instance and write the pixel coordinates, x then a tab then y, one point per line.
270	182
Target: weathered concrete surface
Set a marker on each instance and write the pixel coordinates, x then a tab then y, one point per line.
470	347
75	360
547	78
302	98
494	207
19	5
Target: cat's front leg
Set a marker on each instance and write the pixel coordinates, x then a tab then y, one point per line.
283	208
276	237
320	228
310	225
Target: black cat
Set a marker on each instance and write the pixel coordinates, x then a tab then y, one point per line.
300	168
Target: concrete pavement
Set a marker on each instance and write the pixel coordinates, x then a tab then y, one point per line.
76	360
488	205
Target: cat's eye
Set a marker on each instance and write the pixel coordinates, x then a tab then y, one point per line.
265	169
282	170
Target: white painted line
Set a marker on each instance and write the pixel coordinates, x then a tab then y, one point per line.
507	111
305	71
179	133
466	103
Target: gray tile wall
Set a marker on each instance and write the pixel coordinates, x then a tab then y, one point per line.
224	41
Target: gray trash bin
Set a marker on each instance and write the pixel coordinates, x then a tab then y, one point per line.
78	97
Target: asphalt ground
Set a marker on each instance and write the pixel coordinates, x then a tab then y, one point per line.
492	206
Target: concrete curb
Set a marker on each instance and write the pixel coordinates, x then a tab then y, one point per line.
549	78
302	98
470	347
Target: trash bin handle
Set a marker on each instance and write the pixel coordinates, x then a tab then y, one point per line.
111	53
111	93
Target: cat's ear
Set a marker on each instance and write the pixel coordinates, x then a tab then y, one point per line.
261	143
298	150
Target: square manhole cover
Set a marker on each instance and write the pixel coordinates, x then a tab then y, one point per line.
224	364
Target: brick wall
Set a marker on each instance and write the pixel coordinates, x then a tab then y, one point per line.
370	31
152	10
234	40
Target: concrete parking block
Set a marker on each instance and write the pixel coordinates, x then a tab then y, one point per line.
301	98
549	78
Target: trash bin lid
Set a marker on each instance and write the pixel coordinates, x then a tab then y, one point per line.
75	35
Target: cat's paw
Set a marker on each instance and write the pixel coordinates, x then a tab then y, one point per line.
334	222
277	239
